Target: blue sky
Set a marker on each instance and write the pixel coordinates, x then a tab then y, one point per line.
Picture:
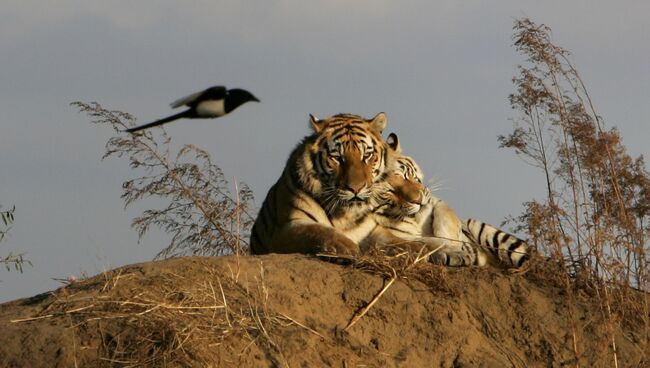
441	70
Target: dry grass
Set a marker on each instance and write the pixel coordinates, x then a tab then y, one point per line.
403	266
173	321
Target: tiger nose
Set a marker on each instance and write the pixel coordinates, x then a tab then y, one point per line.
356	187
417	199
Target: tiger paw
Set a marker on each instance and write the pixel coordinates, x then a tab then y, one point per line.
340	245
452	258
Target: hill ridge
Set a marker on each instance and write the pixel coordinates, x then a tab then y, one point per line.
291	310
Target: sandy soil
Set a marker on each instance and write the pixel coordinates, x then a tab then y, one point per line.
292	311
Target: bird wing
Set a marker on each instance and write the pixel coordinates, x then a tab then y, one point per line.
188	100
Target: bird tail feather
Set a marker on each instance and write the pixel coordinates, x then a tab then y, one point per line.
161	121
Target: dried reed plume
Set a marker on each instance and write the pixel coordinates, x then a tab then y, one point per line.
201	215
595	220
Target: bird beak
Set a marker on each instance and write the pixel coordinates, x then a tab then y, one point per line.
255	99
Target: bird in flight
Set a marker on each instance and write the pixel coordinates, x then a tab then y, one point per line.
210	103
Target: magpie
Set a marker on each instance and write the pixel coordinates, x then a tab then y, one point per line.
210	103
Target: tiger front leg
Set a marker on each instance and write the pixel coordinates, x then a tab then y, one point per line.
460	254
383	239
312	239
453	258
444	251
445	224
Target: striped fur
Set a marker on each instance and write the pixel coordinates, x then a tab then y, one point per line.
321	203
405	208
506	247
403	212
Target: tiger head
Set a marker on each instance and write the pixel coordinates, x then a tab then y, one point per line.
402	194
348	156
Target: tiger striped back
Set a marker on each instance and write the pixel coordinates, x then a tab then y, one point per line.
321	203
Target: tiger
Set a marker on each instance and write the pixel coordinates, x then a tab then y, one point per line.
321	202
405	208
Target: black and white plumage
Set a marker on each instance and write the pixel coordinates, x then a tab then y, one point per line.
210	103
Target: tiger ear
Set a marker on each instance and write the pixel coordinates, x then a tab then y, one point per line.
393	143
316	124
378	123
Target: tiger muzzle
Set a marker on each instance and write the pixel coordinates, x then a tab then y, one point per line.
355	178
410	192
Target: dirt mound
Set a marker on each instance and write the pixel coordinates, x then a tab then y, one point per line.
292	310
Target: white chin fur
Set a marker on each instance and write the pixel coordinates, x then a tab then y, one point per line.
347	195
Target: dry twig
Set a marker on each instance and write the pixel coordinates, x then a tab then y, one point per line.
359	314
